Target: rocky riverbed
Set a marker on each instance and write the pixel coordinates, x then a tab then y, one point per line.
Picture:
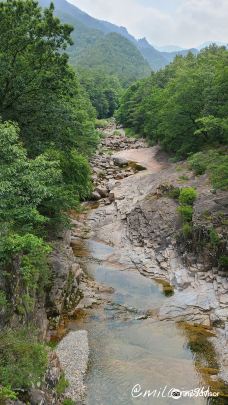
131	227
133	214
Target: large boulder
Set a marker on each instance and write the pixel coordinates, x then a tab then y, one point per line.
121	162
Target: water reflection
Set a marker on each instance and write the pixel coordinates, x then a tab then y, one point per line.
126	349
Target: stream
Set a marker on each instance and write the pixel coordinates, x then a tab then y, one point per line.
128	345
135	358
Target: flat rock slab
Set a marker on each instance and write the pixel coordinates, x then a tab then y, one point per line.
73	353
145	157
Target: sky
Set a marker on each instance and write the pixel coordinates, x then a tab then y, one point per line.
186	23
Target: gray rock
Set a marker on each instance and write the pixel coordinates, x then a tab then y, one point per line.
36	397
95	196
121	162
103	192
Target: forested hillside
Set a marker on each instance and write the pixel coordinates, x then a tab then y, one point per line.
104	91
184	108
99	44
46	134
114	54
90	43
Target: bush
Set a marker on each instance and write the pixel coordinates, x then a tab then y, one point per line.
187	230
68	402
3	300
23	360
186	213
219	173
130	133
214	238
198	163
6	393
223	262
32	253
187	196
101	123
215	162
174	193
62	385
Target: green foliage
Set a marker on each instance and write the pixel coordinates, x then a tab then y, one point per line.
187	230
219	173
114	55
184	106
38	89
68	402
23	360
3	300
46	135
62	385
25	184
101	123
99	45
215	162
186	212
30	253
130	133
104	91
223	261
187	196
174	193
214	238
183	178
6	393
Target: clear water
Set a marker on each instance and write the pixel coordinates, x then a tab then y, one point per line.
126	350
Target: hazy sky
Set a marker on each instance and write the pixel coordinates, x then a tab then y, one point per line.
165	22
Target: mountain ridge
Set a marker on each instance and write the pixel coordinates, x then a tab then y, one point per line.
90	32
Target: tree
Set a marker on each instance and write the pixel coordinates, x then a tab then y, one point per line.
104	91
184	106
38	89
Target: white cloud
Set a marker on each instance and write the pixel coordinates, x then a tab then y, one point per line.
189	23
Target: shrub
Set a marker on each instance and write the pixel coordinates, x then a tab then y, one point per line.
68	402
23	360
3	300
130	133
34	270
186	213
219	173
214	238
187	230
215	162
187	196
62	385
6	393
116	133
101	123
174	193
223	261
198	163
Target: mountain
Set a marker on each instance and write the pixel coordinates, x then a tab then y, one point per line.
169	56
101	44
155	58
169	48
115	55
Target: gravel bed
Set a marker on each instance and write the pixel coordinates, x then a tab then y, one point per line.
73	353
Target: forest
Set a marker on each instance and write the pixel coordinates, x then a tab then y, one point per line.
47	133
48	111
184	108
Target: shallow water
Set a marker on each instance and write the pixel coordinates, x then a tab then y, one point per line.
125	348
